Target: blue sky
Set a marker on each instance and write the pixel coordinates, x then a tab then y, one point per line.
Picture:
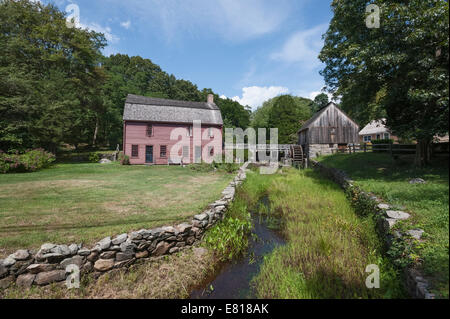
248	50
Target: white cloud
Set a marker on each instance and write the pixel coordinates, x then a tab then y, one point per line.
302	48
112	39
255	96
126	24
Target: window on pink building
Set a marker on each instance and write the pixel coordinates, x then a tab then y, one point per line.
149	130
134	150
163	151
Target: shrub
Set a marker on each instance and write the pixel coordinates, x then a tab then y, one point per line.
229	239
383	141
124	159
94	157
30	161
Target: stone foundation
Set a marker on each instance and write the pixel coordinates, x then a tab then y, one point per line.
53	263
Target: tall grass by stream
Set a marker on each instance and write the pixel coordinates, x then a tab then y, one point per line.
328	245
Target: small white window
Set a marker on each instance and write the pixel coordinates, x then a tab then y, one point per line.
367	138
210	132
387	136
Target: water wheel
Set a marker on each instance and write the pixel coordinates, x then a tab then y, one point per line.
298	156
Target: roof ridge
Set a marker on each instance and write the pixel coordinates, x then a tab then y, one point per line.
146	100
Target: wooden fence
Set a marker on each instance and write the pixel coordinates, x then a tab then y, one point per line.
393	149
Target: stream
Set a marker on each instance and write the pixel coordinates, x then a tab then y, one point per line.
233	279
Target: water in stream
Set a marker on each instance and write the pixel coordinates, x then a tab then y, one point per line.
233	279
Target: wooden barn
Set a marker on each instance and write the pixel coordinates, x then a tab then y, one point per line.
327	130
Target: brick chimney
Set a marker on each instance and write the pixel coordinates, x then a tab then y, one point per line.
210	99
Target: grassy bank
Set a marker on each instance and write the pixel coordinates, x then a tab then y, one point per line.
427	203
328	245
86	202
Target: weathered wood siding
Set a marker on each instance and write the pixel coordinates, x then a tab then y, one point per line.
331	127
135	133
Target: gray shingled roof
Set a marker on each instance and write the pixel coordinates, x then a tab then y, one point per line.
141	108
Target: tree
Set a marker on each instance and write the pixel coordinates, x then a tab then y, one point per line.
286	114
320	101
49	77
399	70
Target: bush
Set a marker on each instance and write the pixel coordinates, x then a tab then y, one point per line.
384	141
229	239
205	167
124	159
30	161
94	157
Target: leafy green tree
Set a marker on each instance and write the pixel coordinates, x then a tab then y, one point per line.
49	77
320	101
399	70
287	116
303	110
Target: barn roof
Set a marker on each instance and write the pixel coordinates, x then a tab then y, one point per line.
319	114
141	108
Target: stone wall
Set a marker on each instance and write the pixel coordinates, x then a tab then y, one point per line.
417	285
50	263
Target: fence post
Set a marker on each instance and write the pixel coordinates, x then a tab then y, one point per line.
365	147
390	149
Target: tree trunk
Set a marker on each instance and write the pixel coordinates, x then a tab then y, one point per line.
94	141
423	152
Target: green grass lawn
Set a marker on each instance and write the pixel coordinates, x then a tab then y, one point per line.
72	203
427	203
328	245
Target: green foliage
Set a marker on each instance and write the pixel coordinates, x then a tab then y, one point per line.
229	238
328	244
123	159
94	157
320	101
427	203
49	77
30	161
399	70
384	141
214	166
261	118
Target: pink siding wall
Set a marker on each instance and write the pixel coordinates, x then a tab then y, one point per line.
135	133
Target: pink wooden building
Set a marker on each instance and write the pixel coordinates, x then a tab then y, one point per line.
161	131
